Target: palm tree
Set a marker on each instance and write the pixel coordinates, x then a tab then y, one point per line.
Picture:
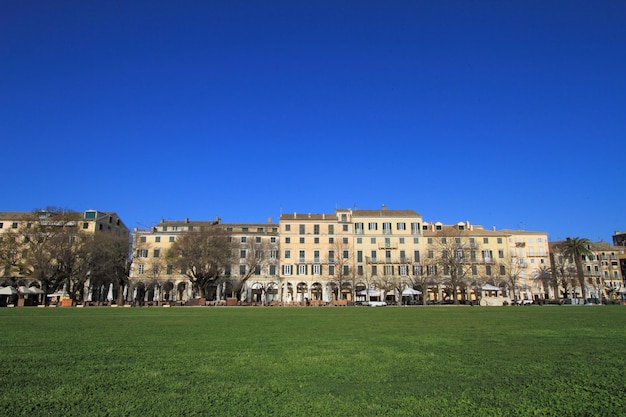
576	248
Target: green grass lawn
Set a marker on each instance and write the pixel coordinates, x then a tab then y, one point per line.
351	361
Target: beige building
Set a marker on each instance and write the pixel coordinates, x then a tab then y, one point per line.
601	270
25	226
254	260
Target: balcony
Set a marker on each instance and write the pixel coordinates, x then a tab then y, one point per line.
392	260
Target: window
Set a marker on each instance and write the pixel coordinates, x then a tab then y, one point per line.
331	270
344	227
301	256
502	270
156	253
403	270
287	269
316	229
417	270
358	228
331	256
345	254
431	254
171	238
301	240
346	270
359	256
244	239
273	253
474	270
500	254
273	239
344	217
242	270
386	228
287	254
316	256
169	269
242	254
85	225
373	240
416	256
401	226
331	240
272	270
257	239
142	253
287	240
401	241
157	239
487	255
317	269
373	254
287	228
331	229
302	269
485	240
140	269
372	226
359	270
374	270
142	239
432	270
301	229
359	240
415	228
345	240
429	240
499	240
444	240
259	229
316	240
488	270
1	225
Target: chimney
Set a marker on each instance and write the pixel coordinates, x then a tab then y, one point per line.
269	220
384	207
294	215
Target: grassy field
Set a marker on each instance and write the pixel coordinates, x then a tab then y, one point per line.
391	361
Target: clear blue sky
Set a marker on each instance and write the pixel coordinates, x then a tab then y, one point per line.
503	113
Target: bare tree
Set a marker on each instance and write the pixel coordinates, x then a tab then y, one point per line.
204	255
110	260
339	258
254	256
454	255
11	246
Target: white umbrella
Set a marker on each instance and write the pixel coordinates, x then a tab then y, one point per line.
372	292
110	294
156	293
489	287
8	291
89	293
135	294
125	293
410	291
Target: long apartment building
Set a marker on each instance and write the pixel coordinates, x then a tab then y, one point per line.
348	255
